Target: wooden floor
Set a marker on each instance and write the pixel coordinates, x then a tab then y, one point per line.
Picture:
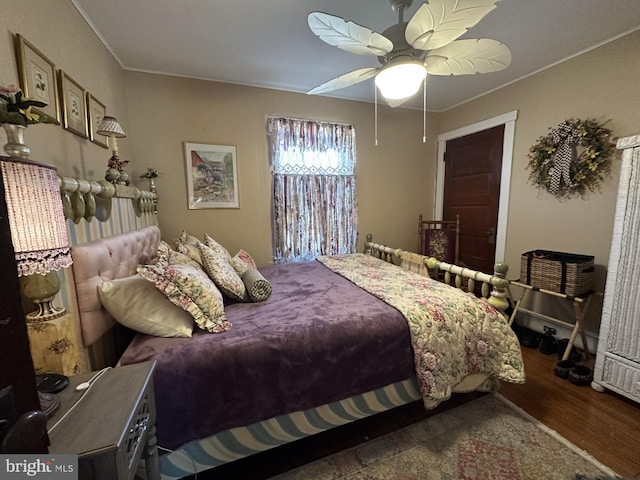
606	425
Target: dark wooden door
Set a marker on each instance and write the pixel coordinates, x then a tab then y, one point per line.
473	166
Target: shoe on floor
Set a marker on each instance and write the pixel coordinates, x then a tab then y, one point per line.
563	368
580	375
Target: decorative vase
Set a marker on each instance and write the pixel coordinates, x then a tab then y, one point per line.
15	146
152	185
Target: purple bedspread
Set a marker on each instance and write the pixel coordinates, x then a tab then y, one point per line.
317	339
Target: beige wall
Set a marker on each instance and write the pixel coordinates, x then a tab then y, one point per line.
601	84
394	179
57	29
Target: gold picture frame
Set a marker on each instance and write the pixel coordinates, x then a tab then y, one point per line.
37	77
212	176
73	106
95	112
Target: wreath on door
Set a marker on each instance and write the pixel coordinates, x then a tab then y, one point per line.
573	159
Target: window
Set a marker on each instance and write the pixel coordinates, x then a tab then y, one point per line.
314	188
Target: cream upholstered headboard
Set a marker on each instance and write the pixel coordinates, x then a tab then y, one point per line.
101	261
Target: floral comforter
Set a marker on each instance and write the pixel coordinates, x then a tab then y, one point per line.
454	335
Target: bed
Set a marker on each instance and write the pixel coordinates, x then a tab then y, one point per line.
337	339
320	344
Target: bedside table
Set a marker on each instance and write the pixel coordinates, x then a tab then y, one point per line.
111	427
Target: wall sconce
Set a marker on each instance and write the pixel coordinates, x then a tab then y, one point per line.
109	127
38	232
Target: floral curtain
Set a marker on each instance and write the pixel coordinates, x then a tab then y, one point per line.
314	188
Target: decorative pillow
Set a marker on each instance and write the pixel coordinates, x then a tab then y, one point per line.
168	256
191	289
137	304
185	239
258	287
222	273
177	258
242	262
163	251
191	251
216	247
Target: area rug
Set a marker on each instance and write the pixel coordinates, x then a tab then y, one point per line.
487	438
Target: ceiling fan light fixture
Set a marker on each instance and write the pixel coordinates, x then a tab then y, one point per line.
401	80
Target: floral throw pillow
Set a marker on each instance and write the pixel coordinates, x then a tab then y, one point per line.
191	251
191	289
163	250
185	239
216	247
222	273
167	256
241	262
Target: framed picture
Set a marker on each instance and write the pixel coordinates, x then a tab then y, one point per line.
73	100
95	112
37	77
212	176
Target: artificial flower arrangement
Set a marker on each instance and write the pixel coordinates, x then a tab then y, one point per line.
572	159
150	173
18	110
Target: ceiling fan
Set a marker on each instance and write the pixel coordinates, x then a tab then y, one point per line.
409	50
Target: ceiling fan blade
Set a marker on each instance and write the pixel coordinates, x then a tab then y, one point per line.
345	80
348	36
440	22
466	57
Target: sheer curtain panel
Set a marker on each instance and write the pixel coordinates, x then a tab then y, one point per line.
314	188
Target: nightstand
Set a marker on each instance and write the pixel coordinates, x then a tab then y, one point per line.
111	427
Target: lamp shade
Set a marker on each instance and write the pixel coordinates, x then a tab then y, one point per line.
401	80
109	127
38	226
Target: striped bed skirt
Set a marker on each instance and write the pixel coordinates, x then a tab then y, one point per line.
241	442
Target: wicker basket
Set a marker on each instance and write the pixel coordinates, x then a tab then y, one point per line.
560	272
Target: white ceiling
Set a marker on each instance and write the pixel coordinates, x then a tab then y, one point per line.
267	43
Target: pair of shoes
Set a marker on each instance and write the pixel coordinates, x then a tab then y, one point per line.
577	374
526	336
548	344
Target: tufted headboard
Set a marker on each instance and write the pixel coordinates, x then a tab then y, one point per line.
104	260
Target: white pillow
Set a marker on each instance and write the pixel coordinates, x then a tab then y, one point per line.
139	305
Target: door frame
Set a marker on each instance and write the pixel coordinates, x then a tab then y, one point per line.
509	122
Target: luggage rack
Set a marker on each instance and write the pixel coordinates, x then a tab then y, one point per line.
580	306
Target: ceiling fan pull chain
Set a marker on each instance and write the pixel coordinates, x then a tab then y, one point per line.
375	110
424	111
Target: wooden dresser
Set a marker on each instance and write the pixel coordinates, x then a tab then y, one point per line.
618	356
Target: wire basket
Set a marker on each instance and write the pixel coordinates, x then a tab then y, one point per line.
565	273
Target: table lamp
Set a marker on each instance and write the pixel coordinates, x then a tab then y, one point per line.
38	231
109	127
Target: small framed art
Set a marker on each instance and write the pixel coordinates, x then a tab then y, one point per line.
95	113
212	176
37	77
74	108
